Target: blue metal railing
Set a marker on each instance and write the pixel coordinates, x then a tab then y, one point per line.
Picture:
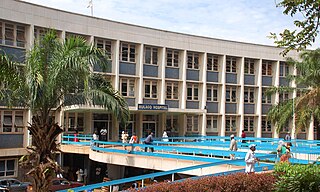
171	172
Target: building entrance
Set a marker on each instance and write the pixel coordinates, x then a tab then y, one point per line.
149	125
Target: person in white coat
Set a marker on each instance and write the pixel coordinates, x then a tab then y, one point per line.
165	136
251	159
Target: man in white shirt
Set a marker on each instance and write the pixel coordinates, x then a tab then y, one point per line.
251	159
233	144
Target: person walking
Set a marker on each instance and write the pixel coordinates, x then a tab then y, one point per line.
95	138
124	138
243	136
233	144
251	159
103	133
149	141
133	140
165	136
287	137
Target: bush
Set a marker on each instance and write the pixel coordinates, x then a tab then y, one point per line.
297	178
239	182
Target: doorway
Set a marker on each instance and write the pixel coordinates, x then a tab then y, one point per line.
149	124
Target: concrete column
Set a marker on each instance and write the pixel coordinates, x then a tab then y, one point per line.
259	99
27	141
276	84
162	70
294	95
183	72
310	130
223	97
203	73
139	62
116	62
241	98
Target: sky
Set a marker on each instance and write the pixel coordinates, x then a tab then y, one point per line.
237	20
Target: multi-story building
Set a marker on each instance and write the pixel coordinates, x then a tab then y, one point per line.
186	84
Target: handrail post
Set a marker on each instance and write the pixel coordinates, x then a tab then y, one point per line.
110	188
142	183
172	177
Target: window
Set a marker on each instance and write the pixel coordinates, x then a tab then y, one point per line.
192	92
248	124
212	93
150	89
248	66
231	65
12	121
212	63
284	69
127	87
231	94
128	52
20	36
8	168
12	34
265	125
172	58
151	55
74	120
283	97
266	68
249	95
193	61
172	90
106	46
192	123
172	123
212	123
231	124
9	34
39	33
266	98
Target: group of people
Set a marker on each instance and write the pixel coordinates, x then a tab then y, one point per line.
283	151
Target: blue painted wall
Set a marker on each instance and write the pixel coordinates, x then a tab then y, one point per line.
231	78
212	76
212	107
11	141
127	68
150	70
172	103
249	80
192	74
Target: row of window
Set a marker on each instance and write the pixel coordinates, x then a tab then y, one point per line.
14	35
127	89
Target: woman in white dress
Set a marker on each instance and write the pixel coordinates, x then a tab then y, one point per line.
165	136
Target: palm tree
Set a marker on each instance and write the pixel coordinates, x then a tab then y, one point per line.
305	106
55	74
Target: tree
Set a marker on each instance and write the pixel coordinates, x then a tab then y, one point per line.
306	105
55	74
307	28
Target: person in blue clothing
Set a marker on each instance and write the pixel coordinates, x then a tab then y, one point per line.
149	141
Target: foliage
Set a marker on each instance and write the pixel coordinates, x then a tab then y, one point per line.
229	183
297	178
307	104
55	74
307	28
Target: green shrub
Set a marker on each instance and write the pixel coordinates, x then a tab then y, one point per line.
297	178
239	182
